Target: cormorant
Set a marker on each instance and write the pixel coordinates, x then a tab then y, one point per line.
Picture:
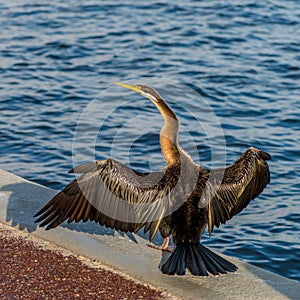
179	201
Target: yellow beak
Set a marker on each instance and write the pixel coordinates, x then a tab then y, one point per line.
128	86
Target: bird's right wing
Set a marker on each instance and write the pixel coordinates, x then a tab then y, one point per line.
113	195
241	182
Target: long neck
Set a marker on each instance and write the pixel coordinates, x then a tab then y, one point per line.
168	134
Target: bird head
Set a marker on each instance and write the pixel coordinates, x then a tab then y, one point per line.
144	90
154	96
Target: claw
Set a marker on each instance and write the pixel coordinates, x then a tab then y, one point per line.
164	246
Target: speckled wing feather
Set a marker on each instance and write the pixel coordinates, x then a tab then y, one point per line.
241	182
113	195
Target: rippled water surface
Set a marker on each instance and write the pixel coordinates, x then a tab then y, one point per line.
242	59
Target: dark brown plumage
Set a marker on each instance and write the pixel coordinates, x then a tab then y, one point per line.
180	201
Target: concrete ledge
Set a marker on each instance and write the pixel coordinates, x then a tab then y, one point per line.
20	199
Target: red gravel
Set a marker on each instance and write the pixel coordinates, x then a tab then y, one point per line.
28	270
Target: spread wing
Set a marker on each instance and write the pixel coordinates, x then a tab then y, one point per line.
241	182
113	195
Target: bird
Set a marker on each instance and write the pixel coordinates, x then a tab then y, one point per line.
180	201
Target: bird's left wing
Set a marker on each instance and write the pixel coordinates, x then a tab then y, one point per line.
241	182
113	195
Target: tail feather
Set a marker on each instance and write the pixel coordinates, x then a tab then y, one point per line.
217	260
195	265
198	259
211	265
181	266
177	264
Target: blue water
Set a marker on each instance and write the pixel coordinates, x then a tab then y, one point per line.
242	59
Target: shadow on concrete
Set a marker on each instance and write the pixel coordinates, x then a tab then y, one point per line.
22	201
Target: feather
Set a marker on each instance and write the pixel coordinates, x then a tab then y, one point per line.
243	181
